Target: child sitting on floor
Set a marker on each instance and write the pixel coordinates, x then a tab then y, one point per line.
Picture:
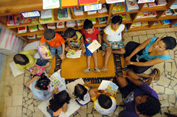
112	38
90	33
74	40
55	41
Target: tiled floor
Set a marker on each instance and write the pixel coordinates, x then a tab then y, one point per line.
15	102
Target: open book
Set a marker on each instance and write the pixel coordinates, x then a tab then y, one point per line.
109	86
73	54
37	69
44	52
93	46
55	81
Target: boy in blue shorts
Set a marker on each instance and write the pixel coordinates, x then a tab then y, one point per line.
90	33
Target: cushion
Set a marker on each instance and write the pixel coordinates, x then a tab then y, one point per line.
15	70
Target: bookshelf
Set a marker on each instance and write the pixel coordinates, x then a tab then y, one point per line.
11	8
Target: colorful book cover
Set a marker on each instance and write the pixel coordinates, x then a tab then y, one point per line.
55	81
69	3
73	54
80	22
40	27
175	24
33	28
145	23
132	5
17	19
86	2
165	21
92	7
152	13
118	7
25	20
125	16
10	20
37	69
78	10
63	13
104	9
145	1
70	23
47	20
22	29
102	20
44	52
60	24
151	4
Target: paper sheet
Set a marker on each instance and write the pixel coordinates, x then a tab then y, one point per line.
93	46
50	4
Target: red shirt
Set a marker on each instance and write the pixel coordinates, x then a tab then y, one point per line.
90	37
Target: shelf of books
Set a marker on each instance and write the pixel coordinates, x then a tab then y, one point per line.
136	16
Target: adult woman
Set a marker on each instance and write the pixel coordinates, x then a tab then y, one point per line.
155	50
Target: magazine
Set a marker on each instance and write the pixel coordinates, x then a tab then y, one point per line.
37	69
55	81
93	46
109	86
44	52
73	54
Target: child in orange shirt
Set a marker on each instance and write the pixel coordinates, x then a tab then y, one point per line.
55	41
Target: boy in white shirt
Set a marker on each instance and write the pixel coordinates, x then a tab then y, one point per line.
112	38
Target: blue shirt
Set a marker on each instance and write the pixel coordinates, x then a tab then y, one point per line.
146	55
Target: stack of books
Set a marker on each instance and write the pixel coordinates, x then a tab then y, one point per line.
147	14
14	20
70	24
165	22
144	23
102	20
40	27
40	35
91	12
22	29
118	7
80	22
131	5
161	2
51	26
46	17
31	36
33	28
64	13
60	24
78	10
104	9
135	24
125	16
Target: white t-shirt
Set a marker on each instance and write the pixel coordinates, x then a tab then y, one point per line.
114	35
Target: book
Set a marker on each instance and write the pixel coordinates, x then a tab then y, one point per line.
102	20
30	14
26	20
40	27
50	4
161	2
145	1
80	22
140	15
93	20
86	2
173	6
34	20
91	12
152	4
131	5
145	5
135	24
10	20
55	81
31	36
44	52
145	23
165	22
60	24
33	28
93	7
47	20
114	1
118	7
125	16
17	19
64	13
94	46
70	24
175	24
103	10
73	54
46	14
78	10
156	23
152	13
169	12
109	86
69	3
40	35
22	29
51	26
37	69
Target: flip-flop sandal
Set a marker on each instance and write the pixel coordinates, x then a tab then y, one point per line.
156	73
25	87
146	80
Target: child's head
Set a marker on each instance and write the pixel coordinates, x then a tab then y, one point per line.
21	59
115	22
43	83
49	34
59	100
104	101
70	33
88	26
80	91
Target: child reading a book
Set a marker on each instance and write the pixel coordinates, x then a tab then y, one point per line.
91	34
81	94
55	42
104	103
58	103
74	39
25	61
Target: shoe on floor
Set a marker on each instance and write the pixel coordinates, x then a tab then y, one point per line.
96	69
104	69
87	70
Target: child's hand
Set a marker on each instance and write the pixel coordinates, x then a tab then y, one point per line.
62	56
55	91
110	45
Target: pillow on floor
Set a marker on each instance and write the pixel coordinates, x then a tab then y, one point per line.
15	70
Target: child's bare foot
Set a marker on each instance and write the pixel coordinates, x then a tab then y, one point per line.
104	69
103	53
155	75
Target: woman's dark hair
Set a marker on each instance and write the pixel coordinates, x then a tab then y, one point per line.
104	101
59	100
150	107
43	82
21	59
88	24
49	34
116	19
69	33
80	91
169	41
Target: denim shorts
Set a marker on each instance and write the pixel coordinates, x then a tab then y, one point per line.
56	50
119	43
41	62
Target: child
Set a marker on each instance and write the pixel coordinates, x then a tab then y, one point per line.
74	40
55	41
25	61
112	38
103	103
81	94
90	33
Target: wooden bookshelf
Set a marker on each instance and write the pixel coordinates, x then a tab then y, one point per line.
8	7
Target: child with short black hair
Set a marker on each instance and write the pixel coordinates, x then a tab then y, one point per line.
90	33
112	38
55	42
74	40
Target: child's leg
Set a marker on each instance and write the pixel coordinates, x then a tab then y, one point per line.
43	63
96	69
88	61
120	51
106	58
83	50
